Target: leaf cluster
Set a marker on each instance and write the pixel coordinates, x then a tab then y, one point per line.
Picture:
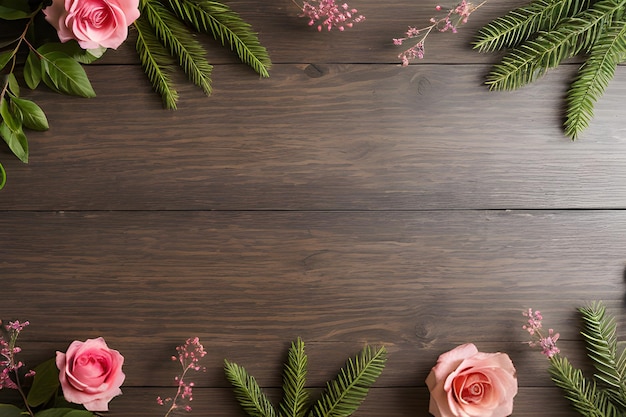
342	396
43	399
604	395
56	65
541	35
166	40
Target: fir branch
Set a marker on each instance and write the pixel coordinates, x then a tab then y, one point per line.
344	394
156	62
295	396
593	78
227	27
533	58
522	23
599	333
181	43
248	392
582	393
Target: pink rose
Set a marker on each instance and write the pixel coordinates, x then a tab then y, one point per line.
469	383
93	23
90	373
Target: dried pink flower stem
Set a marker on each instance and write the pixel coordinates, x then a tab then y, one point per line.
9	364
189	356
454	18
533	326
327	14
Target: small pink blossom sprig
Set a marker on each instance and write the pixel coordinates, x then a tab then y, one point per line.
189	356
327	14
534	327
454	18
9	364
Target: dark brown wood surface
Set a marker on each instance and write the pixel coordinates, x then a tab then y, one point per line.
345	200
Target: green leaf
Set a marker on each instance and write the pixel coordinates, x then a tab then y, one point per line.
5	57
3	180
16	140
295	396
247	391
64	412
8	410
73	50
14	9
45	383
14	87
32	70
343	395
12	122
33	116
63	74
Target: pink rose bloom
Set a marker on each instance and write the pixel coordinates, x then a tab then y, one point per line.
90	373
469	383
93	23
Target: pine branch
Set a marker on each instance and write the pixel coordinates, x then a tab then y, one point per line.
156	62
226	26
593	78
344	394
522	23
248	392
181	43
599	333
533	58
582	393
295	396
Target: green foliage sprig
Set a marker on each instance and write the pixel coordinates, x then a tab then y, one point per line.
541	35
604	395
56	65
166	39
43	397
342	396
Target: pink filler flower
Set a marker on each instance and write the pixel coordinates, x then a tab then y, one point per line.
533	327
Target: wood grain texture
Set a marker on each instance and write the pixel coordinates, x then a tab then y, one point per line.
249	282
345	200
360	137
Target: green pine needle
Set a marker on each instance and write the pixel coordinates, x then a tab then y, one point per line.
582	393
181	43
156	62
522	23
248	393
541	35
341	398
295	396
343	395
226	26
593	78
599	333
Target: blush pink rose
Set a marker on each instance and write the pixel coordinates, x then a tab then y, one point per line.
469	383
90	373
93	23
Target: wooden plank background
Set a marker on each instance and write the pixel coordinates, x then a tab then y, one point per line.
345	200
